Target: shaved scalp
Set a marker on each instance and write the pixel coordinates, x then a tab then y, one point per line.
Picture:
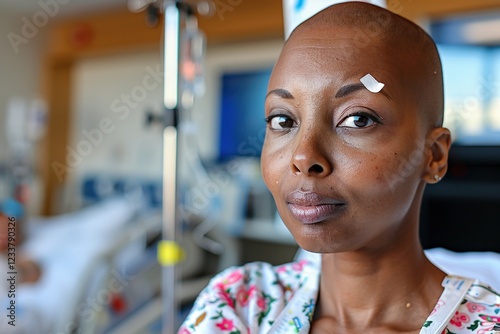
373	25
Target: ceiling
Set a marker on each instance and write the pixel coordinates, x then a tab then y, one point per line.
65	8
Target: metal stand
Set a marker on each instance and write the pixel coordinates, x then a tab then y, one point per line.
177	15
180	88
173	16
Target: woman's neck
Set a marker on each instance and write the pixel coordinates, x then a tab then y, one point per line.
366	290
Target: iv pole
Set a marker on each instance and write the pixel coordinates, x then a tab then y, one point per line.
177	13
172	27
178	18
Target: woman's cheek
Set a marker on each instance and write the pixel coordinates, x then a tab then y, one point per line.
270	167
273	171
371	175
275	160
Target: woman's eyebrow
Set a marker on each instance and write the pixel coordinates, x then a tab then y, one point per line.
348	89
283	93
342	92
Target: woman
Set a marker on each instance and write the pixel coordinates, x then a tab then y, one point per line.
354	112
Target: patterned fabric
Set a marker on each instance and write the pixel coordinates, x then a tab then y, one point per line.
260	298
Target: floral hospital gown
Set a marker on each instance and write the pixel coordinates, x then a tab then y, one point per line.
260	298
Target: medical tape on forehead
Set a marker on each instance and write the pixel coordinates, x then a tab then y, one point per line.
371	83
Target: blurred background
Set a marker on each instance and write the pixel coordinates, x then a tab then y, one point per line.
81	105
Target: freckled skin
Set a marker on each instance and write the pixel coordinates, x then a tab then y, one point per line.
372	259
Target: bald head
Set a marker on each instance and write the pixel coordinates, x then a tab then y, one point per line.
399	40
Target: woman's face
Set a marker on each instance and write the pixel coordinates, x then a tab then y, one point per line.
344	164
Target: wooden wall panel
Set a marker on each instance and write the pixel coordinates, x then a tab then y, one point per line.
417	9
58	95
113	32
239	20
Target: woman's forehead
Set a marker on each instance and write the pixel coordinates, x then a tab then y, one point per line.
324	60
333	43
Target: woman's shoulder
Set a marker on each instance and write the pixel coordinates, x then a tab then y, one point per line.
261	276
247	297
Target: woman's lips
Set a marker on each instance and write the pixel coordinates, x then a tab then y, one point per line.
310	207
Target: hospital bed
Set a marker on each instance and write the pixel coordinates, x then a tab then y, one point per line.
99	262
75	252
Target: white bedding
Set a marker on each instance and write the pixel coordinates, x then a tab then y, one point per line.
65	246
484	266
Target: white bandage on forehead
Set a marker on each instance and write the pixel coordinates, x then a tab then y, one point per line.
371	83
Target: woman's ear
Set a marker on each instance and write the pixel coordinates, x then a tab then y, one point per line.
438	146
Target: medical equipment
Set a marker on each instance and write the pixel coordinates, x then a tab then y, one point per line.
25	126
183	52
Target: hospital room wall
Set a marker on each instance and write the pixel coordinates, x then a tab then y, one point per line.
117	92
101	86
20	66
19	73
109	136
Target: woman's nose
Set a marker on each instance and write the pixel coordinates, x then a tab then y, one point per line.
311	158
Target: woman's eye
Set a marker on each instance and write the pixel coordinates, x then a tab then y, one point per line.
358	121
280	122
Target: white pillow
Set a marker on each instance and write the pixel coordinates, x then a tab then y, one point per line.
484	266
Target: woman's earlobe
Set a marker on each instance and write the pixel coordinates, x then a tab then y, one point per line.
440	141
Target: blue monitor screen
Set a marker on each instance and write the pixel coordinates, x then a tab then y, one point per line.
242	126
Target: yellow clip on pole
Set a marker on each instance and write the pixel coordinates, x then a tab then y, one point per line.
169	253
